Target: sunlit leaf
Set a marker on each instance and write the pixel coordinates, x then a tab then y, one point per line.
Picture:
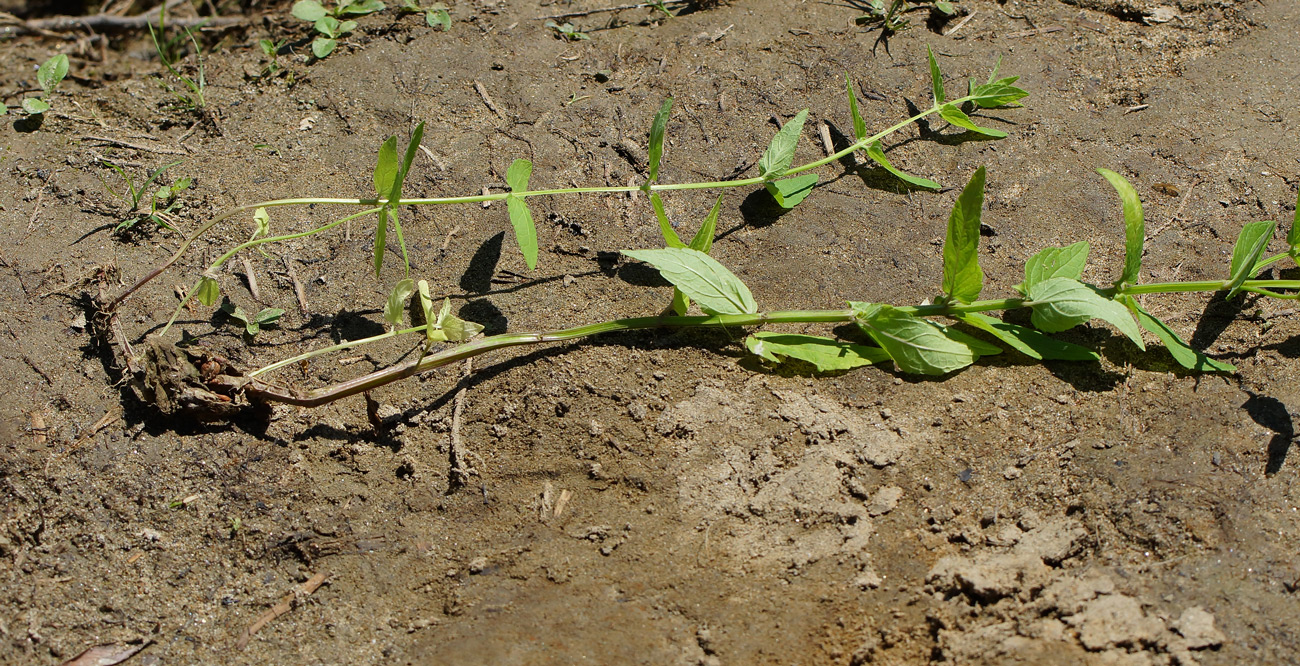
1250	245
702	278
962	277
657	129
1134	227
789	192
876	152
780	152
1060	304
826	354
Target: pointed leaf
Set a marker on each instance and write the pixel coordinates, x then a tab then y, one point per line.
917	345
1027	341
680	303
268	316
994	95
1052	262
397	298
431	331
1250	245
438	16
411	146
1134	227
52	72
518	174
1060	304
322	47
657	129
401	242
962	277
876	152
936	78
208	290
386	168
789	192
525	231
1181	351
957	117
826	354
454	328
701	277
780	152
34	106
665	225
703	240
328	26
859	125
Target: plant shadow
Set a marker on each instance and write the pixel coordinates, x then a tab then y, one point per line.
1272	414
477	277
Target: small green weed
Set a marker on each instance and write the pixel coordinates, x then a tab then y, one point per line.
169	53
566	31
252	324
162	201
890	15
51	72
435	15
331	24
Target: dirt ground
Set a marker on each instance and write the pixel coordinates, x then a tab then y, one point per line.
658	498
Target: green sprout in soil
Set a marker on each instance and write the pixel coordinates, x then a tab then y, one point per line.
49	75
890	15
936	337
435	15
252	323
566	31
271	50
332	23
168	50
162	201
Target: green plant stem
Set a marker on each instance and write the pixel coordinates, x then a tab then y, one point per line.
276	393
480	198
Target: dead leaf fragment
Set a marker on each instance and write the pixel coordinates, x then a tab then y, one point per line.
106	655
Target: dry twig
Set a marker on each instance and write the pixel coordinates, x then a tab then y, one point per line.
284	606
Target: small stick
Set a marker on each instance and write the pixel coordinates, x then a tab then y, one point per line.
1035	31
297	286
825	131
284	606
959	26
136	146
36	211
1134	109
486	192
252	280
487	99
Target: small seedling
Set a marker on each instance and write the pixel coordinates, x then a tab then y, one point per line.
566	31
193	100
271	50
435	15
890	15
162	201
327	22
49	75
252	324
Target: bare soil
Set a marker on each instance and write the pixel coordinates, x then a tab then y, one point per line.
658	498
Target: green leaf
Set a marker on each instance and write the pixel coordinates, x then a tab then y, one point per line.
859	125
980	347
1134	227
1250	245
386	168
936	79
518	174
34	106
208	290
657	129
917	345
962	278
411	146
525	231
438	15
665	225
780	152
52	72
994	95
381	239
1060	304
431	332
268	316
397	298
701	277
826	354
309	10
322	47
346	27
790	191
957	117
1055	262
1181	351
703	240
454	328
327	26
680	303
876	152
1027	341
361	7
945	7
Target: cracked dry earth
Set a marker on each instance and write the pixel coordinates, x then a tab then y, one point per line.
659	498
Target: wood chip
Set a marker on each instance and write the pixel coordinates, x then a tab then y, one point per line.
284	606
107	655
487	100
1034	31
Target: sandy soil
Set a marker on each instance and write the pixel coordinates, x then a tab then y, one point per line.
658	498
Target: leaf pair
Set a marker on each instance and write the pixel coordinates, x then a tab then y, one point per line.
776	160
918	345
443	327
876	150
252	323
520	217
51	72
435	15
701	242
954	115
388	178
